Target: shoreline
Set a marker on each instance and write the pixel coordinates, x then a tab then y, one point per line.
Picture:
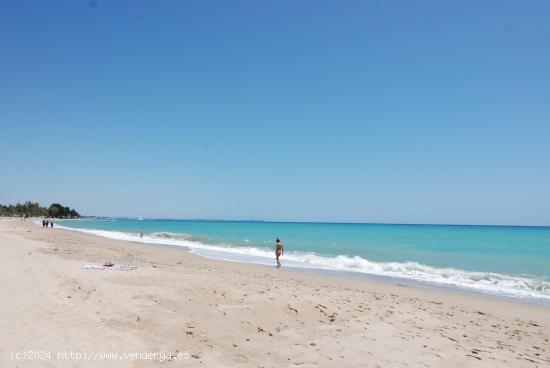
321	272
233	314
230	256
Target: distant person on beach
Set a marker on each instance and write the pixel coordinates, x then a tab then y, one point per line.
47	223
51	224
43	222
141	233
278	251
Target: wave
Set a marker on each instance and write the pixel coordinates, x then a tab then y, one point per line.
486	282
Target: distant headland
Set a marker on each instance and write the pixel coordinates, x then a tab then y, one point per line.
33	209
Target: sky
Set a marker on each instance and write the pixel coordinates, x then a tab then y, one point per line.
289	110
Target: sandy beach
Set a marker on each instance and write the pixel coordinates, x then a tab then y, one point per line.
222	314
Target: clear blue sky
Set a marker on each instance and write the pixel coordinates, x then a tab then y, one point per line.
374	111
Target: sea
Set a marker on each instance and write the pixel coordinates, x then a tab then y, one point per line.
504	261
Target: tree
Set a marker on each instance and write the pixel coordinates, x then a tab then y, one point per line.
54	210
57	210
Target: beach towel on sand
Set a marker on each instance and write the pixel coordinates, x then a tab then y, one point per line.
118	267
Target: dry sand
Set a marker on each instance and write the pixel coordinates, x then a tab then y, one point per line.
227	314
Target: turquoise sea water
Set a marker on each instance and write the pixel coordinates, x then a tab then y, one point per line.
500	260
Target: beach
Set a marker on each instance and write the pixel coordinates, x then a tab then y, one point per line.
206	312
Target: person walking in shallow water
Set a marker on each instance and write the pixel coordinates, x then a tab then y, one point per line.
278	251
141	233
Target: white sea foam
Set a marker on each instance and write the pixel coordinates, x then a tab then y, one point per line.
486	282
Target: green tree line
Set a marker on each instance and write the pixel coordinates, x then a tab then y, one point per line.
33	209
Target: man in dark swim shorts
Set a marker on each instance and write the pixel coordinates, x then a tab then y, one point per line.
278	251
